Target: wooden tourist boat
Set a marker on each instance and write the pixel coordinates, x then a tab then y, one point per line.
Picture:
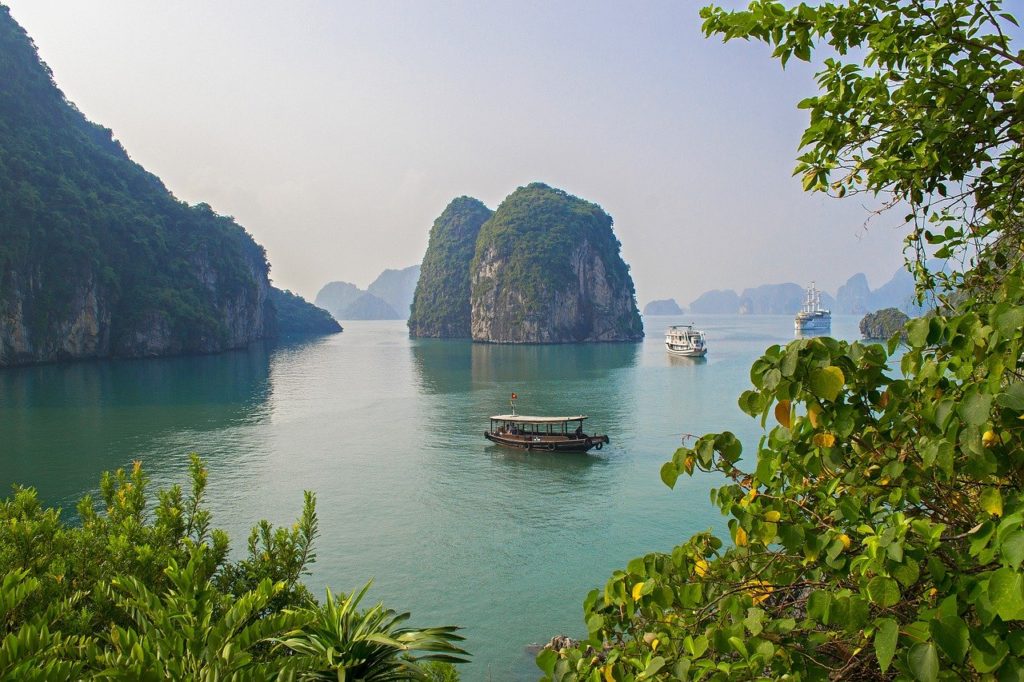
546	434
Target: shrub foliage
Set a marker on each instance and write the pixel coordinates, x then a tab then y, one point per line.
138	593
878	532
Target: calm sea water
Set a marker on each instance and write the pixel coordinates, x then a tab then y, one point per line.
388	432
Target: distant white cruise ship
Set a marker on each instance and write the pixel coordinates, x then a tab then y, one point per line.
683	339
812	317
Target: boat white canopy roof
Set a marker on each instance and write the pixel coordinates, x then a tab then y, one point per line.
527	419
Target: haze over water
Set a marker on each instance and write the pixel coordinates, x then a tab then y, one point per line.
388	432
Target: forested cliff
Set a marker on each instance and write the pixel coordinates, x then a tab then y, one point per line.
440	306
547	269
544	268
97	257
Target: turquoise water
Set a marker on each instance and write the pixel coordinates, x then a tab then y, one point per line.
388	432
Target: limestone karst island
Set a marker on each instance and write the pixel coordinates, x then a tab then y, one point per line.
544	267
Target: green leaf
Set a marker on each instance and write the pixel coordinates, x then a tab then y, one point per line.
917	332
883	591
669	474
886	633
546	660
1013	397
1006	592
923	661
987	652
827	382
818	604
975	408
1013	549
656	664
951	634
1010	322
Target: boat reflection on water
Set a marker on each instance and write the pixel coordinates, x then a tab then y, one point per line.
686	361
565	464
811	333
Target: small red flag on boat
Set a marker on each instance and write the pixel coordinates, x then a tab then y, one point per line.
514	396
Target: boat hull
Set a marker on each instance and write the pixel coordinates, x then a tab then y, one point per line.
813	324
688	352
547	443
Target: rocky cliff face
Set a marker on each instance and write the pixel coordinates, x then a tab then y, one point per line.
548	270
97	257
93	322
440	306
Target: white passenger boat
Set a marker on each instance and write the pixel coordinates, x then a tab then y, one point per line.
683	339
812	317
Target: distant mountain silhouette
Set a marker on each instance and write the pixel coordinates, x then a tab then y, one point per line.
854	297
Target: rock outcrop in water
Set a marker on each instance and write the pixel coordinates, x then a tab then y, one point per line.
882	324
666	306
97	257
548	270
441	304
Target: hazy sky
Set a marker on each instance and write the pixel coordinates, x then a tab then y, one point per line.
336	132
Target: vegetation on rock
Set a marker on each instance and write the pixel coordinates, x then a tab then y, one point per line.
884	324
96	256
297	316
878	533
137	592
440	306
548	269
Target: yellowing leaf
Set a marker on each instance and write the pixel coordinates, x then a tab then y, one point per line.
636	591
772	516
700	567
989	438
991	501
741	537
608	673
654	644
824	440
826	382
814	414
759	590
845	539
783	412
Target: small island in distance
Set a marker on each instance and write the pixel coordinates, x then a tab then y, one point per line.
667	306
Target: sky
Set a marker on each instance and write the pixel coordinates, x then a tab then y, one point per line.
336	132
